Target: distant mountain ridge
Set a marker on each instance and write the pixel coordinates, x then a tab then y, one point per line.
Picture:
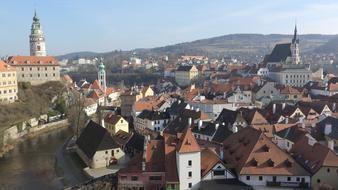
235	44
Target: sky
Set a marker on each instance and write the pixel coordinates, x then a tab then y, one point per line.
106	25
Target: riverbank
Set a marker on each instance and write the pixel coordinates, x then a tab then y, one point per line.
31	164
32	134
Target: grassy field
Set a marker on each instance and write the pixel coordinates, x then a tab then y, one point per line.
33	101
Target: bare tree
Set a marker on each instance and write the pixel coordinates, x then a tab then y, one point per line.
77	114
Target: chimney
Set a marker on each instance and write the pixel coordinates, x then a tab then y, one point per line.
328	129
190	121
216	126
102	123
234	129
200	122
146	139
334	107
274	108
221	152
330	144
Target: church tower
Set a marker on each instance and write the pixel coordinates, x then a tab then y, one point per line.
102	75
37	39
295	48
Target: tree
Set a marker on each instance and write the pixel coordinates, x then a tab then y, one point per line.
77	116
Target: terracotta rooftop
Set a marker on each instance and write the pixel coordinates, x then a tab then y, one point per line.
188	143
33	60
313	157
5	67
250	152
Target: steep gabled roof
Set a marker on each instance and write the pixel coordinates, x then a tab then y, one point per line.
292	134
188	143
250	152
280	53
313	157
95	138
209	159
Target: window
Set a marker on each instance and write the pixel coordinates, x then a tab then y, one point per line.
318	180
219	172
248	177
30	68
260	178
155	178
298	179
123	178
172	186
22	68
54	68
189	163
38	68
106	152
53	74
31	75
134	178
23	76
289	178
46	75
190	174
328	170
189	185
45	68
38	75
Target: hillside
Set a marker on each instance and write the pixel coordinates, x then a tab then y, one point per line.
233	44
34	101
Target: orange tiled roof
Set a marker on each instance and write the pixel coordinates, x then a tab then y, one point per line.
33	60
188	143
250	152
171	173
208	160
314	157
5	67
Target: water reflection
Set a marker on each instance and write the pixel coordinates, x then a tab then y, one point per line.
31	164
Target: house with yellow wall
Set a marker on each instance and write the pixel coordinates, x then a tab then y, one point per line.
185	74
113	123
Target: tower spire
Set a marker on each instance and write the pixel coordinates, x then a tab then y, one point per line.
295	40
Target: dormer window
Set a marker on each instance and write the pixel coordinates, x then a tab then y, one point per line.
288	163
265	148
270	163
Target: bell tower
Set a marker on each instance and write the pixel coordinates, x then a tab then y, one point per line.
295	48
101	75
37	39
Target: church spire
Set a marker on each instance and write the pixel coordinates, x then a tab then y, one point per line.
295	38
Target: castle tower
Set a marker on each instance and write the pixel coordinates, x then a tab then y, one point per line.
37	39
295	48
102	75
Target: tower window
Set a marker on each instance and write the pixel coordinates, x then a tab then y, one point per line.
38	48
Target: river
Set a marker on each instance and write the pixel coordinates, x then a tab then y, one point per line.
31	164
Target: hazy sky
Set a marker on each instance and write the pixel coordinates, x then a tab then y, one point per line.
105	25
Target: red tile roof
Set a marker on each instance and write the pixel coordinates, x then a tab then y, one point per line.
5	67
250	152
313	157
188	143
33	60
